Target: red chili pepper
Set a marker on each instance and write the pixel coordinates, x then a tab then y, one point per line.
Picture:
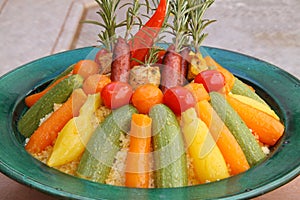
144	38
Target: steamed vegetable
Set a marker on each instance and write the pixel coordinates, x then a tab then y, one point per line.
71	141
168	146
209	164
137	171
212	80
146	96
179	99
116	94
229	78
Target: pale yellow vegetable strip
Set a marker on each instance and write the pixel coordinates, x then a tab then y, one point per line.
71	141
255	104
209	164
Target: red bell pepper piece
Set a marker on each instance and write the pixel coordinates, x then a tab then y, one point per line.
144	38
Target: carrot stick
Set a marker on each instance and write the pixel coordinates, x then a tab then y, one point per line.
32	99
137	161
46	134
198	90
264	125
229	78
232	152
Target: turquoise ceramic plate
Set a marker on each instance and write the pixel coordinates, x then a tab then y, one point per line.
278	88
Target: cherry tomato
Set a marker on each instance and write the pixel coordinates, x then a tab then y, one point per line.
212	80
179	99
146	96
116	94
86	68
95	83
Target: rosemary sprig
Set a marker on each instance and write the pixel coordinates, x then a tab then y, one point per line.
133	16
107	12
179	9
196	22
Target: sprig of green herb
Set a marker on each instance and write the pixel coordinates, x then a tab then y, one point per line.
179	9
196	22
107	12
133	16
188	23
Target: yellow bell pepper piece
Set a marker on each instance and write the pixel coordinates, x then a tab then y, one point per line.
208	161
72	139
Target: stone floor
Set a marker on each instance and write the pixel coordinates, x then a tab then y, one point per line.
30	29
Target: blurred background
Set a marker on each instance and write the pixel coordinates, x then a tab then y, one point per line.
30	29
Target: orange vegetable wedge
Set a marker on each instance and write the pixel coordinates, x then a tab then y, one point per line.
264	125
138	158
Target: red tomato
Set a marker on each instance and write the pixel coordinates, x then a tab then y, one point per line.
212	80
179	99
116	94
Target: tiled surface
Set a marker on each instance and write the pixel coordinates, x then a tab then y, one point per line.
30	29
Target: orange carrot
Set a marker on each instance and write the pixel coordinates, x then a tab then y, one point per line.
232	152
229	78
264	125
146	96
46	134
199	91
32	99
137	161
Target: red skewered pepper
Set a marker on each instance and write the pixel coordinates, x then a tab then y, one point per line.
144	38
